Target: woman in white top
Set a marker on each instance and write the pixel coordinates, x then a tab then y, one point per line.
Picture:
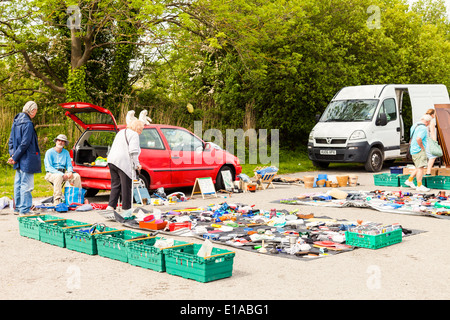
432	135
123	161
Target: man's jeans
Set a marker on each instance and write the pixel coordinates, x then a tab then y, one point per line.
23	185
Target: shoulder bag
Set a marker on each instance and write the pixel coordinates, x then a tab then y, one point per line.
434	147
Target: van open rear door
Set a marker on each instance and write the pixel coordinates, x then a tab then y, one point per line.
424	97
90	116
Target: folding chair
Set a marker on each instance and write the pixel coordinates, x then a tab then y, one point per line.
263	177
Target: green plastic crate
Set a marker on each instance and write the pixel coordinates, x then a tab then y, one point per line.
403	177
52	232
373	241
81	240
29	225
184	262
144	254
386	179
113	244
437	182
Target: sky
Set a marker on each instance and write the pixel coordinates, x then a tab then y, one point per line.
447	3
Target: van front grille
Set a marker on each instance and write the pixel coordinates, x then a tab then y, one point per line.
333	141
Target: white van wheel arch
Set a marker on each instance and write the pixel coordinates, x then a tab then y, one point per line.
374	161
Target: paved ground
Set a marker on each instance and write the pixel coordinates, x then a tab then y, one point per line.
417	268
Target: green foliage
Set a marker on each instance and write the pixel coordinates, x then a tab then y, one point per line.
286	59
270	64
76	85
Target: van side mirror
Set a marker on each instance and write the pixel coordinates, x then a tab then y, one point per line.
381	120
318	117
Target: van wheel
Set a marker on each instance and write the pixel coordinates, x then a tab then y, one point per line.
374	161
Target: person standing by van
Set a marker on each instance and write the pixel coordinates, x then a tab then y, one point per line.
419	134
432	135
25	156
123	160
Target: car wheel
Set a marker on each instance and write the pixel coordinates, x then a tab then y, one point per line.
91	192
144	179
374	161
220	185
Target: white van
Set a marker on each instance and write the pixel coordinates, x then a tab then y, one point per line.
365	124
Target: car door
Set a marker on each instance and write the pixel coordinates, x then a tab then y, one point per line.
186	156
390	133
155	158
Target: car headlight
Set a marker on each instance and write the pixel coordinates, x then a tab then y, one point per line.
357	135
311	135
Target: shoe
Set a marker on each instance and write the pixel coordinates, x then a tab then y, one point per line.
109	208
410	184
422	188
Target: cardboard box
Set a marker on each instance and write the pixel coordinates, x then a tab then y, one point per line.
408	170
434	171
443	171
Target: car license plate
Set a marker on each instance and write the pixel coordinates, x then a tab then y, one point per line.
328	152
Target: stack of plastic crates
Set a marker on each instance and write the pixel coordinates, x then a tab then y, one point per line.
143	253
53	231
373	241
83	239
113	244
29	225
183	261
386	179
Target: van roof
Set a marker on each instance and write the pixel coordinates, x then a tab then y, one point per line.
375	91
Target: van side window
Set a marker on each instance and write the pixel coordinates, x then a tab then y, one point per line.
390	109
150	139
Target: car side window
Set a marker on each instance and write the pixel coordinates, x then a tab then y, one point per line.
390	109
182	140
150	139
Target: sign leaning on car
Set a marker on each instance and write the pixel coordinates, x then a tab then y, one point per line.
171	156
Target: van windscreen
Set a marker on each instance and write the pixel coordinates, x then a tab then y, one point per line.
350	110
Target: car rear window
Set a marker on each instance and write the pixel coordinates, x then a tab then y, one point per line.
89	117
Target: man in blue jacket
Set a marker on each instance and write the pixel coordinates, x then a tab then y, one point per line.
25	156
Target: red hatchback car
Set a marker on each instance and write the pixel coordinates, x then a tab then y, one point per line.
171	156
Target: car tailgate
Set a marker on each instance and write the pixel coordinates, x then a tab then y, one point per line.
93	172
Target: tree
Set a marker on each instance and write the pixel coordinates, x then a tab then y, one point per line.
57	41
285	60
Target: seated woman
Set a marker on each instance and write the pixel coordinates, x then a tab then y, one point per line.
59	168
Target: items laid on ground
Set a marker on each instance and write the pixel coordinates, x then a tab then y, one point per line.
397	201
334	181
287	234
276	232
